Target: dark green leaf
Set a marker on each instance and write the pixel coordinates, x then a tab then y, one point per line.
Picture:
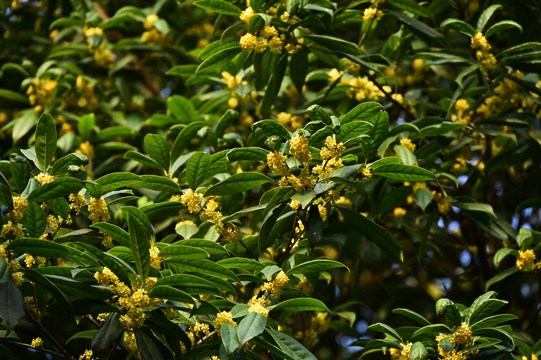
197	168
273	86
412	315
85	125
336	44
230	337
486	15
301	304
373	232
139	242
291	346
419	28
501	26
45	141
219	6
247	153
317	266
251	326
11	298
158	149
271	127
404	172
183	139
238	183
216	60
34	220
418	351
458	25
117	180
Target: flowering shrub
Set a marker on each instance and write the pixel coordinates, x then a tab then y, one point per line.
270	179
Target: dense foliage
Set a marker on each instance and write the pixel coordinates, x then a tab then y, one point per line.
271	179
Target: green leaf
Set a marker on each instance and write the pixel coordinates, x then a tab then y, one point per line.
12	95
501	26
20	170
485	309
418	351
301	304
412	315
190	283
373	232
362	112
419	28
247	153
142	159
404	172
251	326
85	125
86	334
412	7
186	231
139	240
291	346
46	138
230	337
500	276
423	197
39	247
116	180
486	15
197	168
158	183
158	149
317	113
61	165
182	252
336	44
182	70
171	293
34	220
117	233
183	139
147	344
238	183
271	127
207	267
502	254
60	187
473	206
385	329
11	298
5	192
242	264
458	25
273	87
317	265
219	6
298	68
491	321
217	60
182	108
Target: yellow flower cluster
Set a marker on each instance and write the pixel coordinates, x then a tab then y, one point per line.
41	93
134	300
258	305
462	337
192	201
444	203
155	258
318	325
87	355
301	151
83	96
401	354
331	156
223	317
36	343
12	231
86	149
153	36
20	204
534	357
408	144
461	105
76	201
526	261
31	307
360	87
276	161
269	37
102	56
98	210
291	122
371	13
275	287
44	178
487	60
230	233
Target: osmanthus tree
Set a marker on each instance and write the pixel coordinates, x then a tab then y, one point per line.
270	179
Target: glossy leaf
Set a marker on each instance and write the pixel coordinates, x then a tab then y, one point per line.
46	138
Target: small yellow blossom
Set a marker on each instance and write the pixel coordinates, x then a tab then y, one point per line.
37	342
295	205
399	211
276	286
20	205
478	41
246	14
526	261
248	42
18	278
12	231
149	21
223	317
192	201
98	210
44	178
77	201
155	258
408	144
87	355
